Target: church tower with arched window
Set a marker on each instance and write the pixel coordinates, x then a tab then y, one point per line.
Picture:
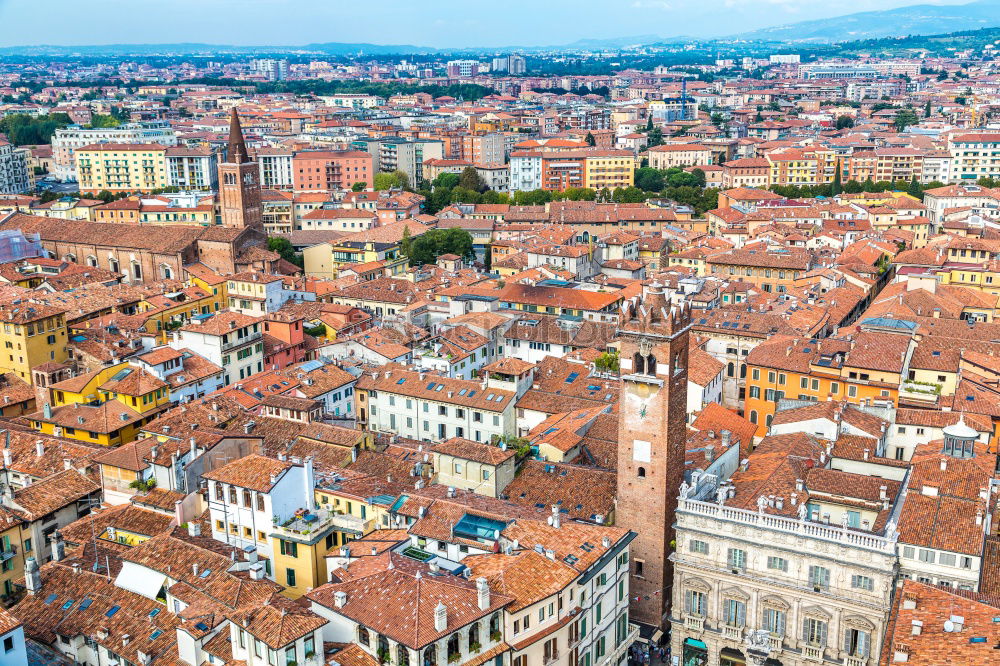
652	435
239	183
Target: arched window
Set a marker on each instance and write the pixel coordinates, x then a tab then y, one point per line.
495	627
769	418
70	257
454	651
430	655
166	272
362	632
402	655
641	472
743	371
92	261
474	642
113	265
640	364
753	416
730	370
650	365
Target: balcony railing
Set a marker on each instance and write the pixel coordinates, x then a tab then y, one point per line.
777	643
790	525
732	633
239	342
856	661
307	524
812	653
694	623
7	554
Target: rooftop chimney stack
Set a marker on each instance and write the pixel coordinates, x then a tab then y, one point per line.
483	593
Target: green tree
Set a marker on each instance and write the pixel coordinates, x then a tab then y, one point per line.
471	180
283	247
426	248
101	121
904	118
844	121
914	189
393	180
607	362
651	180
446	180
406	243
359	186
488	257
591	141
837	187
927	109
654	137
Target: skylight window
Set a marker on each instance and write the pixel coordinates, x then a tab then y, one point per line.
111	611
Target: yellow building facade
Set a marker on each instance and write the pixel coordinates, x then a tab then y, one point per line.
31	335
121	167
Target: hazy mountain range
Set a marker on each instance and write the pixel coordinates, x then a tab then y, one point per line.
902	21
899	22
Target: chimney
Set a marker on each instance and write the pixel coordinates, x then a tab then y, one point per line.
606	542
7	458
555	516
32	576
979	516
440	617
451	491
944	464
194	529
195	569
309	482
39	448
194	448
257	571
58	546
799	485
340	598
483	593
67	463
866	453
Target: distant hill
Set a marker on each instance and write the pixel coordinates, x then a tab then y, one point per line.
909	20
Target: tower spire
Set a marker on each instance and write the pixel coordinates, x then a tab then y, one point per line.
237	146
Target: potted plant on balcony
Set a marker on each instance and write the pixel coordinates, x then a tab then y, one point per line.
383	655
495	636
452	658
475	647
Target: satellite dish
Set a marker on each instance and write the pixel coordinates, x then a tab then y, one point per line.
949	626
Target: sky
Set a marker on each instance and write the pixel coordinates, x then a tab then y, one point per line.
438	23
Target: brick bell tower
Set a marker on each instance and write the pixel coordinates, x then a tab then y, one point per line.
239	183
652	435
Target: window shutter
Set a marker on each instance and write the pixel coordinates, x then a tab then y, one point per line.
863	643
741	614
780	622
822	633
847	641
805	630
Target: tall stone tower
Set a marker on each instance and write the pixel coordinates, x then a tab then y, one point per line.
239	183
652	434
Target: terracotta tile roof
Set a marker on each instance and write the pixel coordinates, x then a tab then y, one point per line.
401	606
253	471
468	450
579	492
932	606
50	494
526	576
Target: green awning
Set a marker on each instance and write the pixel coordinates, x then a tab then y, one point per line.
694	642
